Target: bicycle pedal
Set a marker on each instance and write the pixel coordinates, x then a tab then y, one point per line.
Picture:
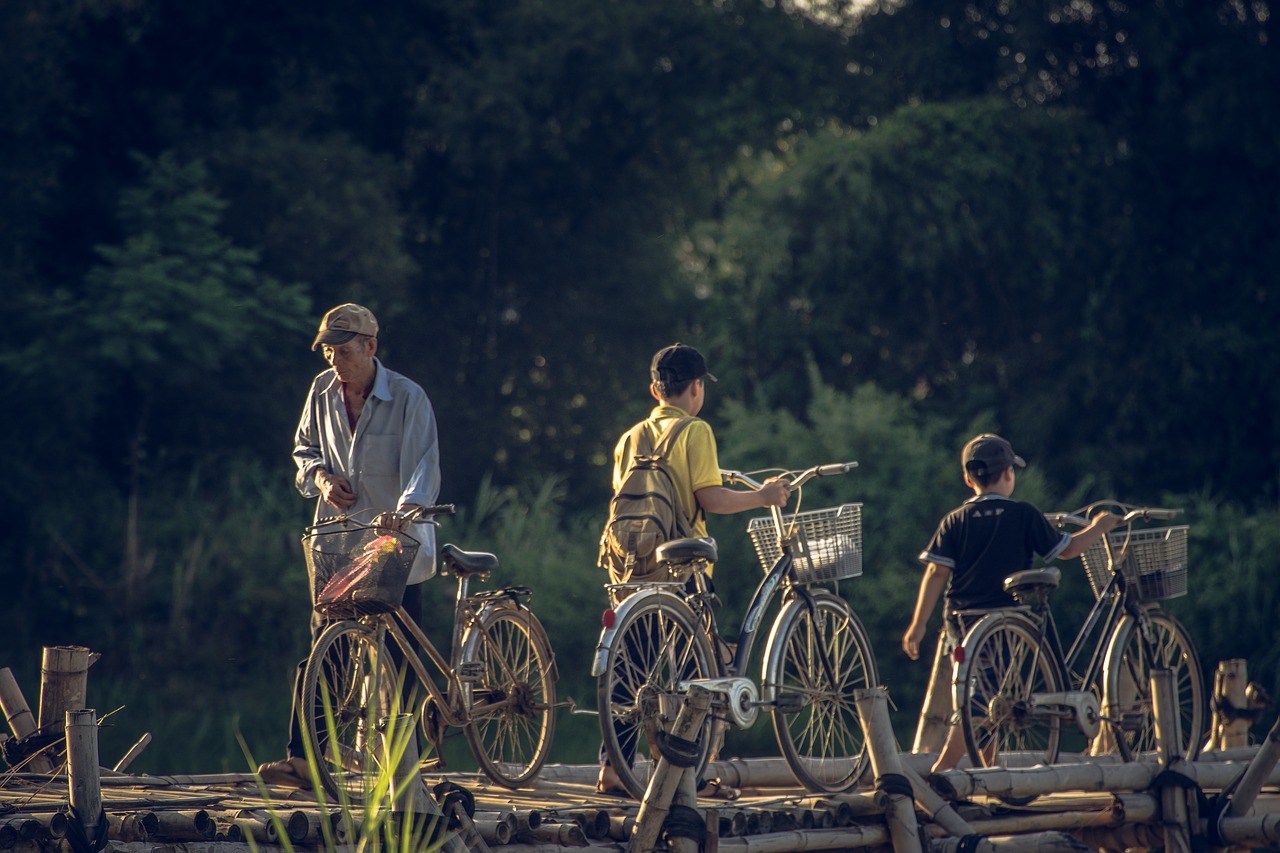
470	671
789	703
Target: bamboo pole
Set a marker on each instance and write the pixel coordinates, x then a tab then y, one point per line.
939	810
686	794
1173	800
666	776
1038	842
411	804
82	769
134	752
1258	771
873	712
20	719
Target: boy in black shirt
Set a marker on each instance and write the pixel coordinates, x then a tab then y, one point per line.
980	543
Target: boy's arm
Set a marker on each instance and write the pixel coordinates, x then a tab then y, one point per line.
720	500
931	586
1101	524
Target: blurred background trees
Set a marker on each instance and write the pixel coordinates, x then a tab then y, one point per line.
887	224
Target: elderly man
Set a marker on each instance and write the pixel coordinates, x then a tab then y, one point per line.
366	441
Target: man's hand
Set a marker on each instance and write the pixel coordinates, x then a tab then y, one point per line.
395	520
776	491
1105	522
334	490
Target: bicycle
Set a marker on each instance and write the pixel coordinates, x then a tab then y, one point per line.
1015	687
499	677
662	635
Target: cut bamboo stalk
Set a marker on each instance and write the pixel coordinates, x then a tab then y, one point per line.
1230	681
82	768
20	719
686	794
939	810
184	826
873	712
64	677
494	831
561	834
666	776
1038	842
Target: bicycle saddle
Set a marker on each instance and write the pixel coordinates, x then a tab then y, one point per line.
1046	578
468	562
687	550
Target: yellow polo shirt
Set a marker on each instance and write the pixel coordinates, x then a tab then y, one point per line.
692	461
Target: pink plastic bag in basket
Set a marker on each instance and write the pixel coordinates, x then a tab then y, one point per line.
374	555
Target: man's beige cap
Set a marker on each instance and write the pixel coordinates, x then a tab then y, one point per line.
343	323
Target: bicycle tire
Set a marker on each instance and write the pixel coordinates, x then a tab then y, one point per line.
657	645
349	684
822	740
1127	688
517	670
1003	665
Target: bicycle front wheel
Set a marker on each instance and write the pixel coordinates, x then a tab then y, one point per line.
511	693
657	645
349	685
1004	664
818	655
1138	646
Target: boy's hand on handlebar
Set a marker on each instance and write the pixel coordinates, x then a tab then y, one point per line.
776	491
1105	522
336	491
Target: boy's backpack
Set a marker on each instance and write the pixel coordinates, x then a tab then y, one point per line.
645	511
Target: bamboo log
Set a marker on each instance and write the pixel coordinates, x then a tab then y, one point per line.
1039	842
621	826
82	768
184	825
594	822
873	711
938	809
562	834
686	794
712	842
20	719
666	777
64	677
494	831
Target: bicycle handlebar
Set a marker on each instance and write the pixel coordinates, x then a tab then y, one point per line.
1129	514
418	515
831	469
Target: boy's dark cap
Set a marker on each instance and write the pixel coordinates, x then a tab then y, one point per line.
989	454
678	363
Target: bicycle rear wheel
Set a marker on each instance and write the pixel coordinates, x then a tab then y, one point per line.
349	685
1003	665
512	699
656	646
817	657
1127	685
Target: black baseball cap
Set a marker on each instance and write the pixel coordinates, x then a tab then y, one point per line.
989	454
678	363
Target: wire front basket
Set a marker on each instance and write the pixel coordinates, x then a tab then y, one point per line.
1155	563
827	544
356	569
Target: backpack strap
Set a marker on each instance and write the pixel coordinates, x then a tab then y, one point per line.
665	442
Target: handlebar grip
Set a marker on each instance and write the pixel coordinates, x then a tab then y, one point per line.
424	513
1161	514
836	468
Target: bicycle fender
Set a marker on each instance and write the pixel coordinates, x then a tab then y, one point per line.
962	671
607	634
535	628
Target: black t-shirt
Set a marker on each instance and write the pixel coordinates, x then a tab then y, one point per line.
986	539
